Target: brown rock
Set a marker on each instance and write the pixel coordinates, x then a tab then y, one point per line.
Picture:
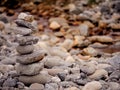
102	24
10	12
54	25
84	57
61	21
2	9
102	39
2	25
40	27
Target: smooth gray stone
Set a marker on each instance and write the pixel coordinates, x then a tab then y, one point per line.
31	58
25	49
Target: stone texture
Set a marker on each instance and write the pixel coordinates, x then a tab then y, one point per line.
25	49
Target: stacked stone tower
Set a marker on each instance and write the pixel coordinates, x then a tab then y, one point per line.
28	59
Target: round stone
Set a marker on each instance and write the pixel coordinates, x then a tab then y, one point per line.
25	49
31	58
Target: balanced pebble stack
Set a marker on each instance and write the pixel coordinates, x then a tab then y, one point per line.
28	60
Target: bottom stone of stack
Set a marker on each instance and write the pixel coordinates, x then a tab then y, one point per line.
40	78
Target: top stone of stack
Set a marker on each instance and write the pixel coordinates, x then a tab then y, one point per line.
24	24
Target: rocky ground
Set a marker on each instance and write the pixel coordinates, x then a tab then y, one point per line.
75	46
